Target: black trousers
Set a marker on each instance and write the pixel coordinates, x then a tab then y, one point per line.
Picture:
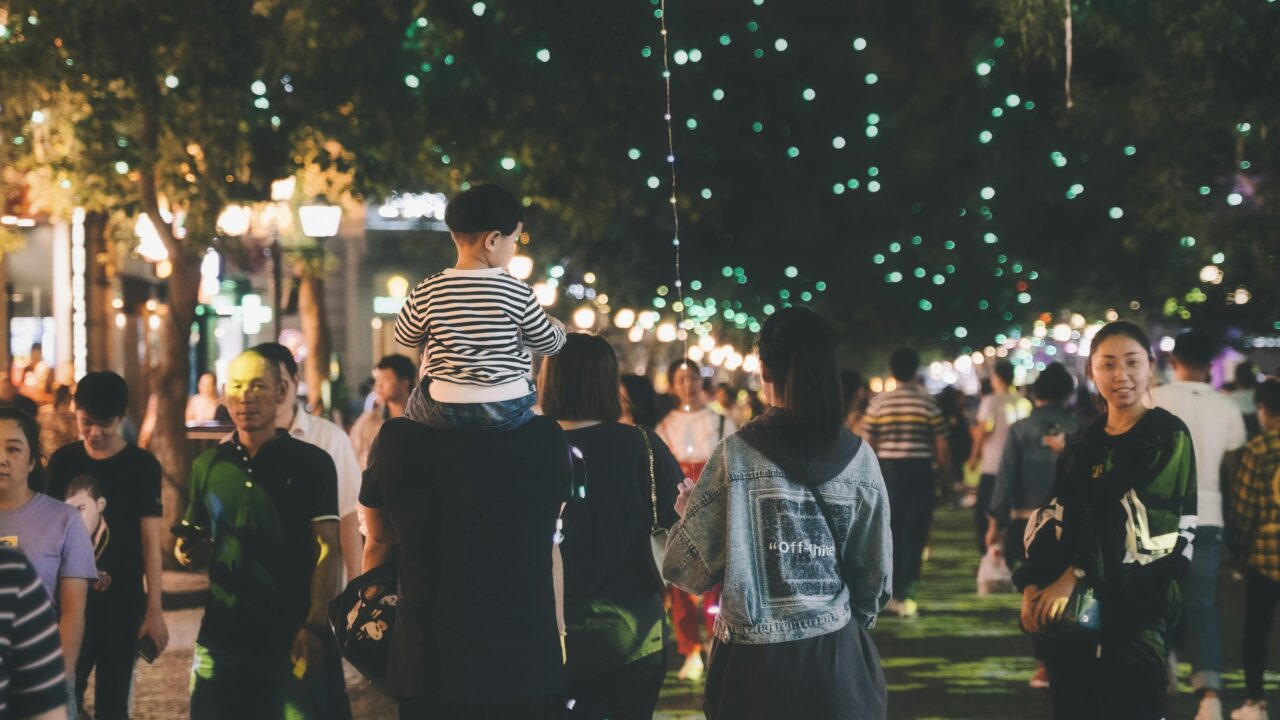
1119	676
911	495
1261	599
545	708
628	693
110	651
258	683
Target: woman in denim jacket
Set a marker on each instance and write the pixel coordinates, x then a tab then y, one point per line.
792	517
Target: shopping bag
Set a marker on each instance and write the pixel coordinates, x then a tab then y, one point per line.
993	573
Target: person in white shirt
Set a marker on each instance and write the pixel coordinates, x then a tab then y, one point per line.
996	413
330	438
203	406
692	430
1218	437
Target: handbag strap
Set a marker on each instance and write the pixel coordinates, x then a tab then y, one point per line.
831	528
653	482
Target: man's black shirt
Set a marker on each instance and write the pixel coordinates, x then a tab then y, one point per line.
130	482
475	514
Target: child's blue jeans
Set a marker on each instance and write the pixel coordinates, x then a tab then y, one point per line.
504	415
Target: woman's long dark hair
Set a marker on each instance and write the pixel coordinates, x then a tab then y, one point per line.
31	430
799	358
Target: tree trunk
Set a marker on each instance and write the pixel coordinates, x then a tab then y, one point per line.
98	310
169	390
5	346
315	327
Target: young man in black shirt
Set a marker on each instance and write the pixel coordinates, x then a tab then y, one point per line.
474	514
120	611
266	505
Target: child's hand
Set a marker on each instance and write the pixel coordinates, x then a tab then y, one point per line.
682	500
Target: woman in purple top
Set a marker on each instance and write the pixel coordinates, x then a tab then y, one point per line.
48	531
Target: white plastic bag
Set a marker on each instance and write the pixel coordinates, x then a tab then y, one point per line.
993	573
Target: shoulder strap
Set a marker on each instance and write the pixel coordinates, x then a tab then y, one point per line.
653	482
722	427
836	540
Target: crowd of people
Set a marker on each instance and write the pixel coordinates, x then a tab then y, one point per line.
542	536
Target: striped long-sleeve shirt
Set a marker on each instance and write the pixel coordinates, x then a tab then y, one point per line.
478	327
32	673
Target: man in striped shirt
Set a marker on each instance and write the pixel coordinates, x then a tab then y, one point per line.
33	681
476	323
906	429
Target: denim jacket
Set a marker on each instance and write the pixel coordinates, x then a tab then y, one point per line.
761	522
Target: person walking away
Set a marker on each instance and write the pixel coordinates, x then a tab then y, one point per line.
125	480
1218	435
1121	520
999	410
906	430
57	422
955	414
856	395
692	430
1246	375
477	323
473	516
792	518
327	436
614	620
264	504
639	401
1025	478
32	671
1254	538
49	532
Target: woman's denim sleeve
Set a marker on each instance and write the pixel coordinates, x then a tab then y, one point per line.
868	555
695	555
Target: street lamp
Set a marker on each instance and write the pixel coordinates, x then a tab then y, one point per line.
625	318
320	221
521	267
584	317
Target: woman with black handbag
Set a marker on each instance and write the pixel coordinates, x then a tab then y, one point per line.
792	516
614	618
1107	554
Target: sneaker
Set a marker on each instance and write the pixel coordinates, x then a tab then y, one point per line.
1210	709
1251	710
692	668
1040	680
909	608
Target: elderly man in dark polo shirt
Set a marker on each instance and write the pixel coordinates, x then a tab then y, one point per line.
266	505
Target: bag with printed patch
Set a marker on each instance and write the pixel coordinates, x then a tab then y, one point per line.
363	617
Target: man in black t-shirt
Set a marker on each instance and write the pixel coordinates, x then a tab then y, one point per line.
122	482
474	514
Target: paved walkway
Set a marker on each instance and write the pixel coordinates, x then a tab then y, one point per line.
963	658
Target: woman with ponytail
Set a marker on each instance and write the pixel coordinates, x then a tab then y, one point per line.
792	517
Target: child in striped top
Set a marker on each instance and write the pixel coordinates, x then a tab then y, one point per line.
477	324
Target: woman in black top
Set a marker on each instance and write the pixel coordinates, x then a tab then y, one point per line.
1121	521
614	618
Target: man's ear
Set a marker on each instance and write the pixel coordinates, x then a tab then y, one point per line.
491	240
102	504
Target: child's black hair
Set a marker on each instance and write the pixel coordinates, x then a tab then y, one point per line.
483	209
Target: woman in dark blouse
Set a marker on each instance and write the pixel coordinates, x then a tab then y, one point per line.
1121	521
614	618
